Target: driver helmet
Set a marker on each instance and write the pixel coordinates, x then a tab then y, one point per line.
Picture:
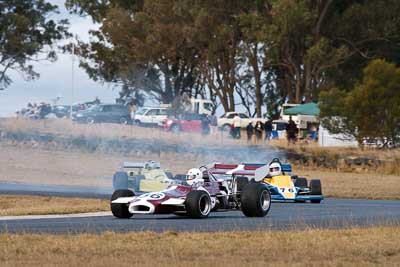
194	176
275	169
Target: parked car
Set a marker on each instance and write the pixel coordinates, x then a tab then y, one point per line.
150	116
226	120
188	122
104	113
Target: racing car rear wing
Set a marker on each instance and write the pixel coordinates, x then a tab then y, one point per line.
256	170
140	165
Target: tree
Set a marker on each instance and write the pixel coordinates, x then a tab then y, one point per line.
26	34
371	110
143	45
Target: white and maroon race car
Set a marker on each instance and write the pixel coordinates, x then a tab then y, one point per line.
195	200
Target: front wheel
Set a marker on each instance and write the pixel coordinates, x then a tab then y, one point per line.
123	120
90	120
226	127
198	204
121	210
255	200
315	189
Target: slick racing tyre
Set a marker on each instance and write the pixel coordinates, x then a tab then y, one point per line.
198	204
255	200
120	180
302	183
120	210
315	189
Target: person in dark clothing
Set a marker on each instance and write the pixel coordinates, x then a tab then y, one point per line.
291	130
96	101
268	130
259	130
250	131
205	125
232	131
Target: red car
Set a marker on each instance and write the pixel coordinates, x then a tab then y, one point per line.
190	122
195	200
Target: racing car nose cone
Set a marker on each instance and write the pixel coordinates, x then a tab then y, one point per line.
141	208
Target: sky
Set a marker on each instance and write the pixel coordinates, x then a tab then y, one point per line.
56	77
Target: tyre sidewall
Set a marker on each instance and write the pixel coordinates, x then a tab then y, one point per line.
251	200
193	204
120	210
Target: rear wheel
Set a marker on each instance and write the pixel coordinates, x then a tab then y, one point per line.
120	210
315	189
255	200
198	204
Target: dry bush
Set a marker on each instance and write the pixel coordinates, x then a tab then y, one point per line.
313	247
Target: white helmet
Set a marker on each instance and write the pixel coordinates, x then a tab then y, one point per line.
275	169
194	176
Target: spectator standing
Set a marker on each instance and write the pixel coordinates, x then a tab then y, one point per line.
268	130
205	125
250	131
291	131
258	130
232	131
236	125
96	101
213	124
133	109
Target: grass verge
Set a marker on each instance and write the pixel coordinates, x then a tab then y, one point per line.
354	185
358	247
12	205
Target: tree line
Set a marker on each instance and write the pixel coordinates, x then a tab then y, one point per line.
248	52
255	53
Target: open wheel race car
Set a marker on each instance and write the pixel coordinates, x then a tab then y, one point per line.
196	197
282	185
142	176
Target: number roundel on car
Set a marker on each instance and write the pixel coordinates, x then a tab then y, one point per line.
153	196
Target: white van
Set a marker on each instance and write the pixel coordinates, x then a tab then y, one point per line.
150	116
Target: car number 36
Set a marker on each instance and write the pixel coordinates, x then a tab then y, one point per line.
283	190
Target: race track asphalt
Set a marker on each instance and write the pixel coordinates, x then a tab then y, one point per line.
331	213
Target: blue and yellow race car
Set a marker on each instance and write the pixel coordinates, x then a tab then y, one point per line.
277	176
